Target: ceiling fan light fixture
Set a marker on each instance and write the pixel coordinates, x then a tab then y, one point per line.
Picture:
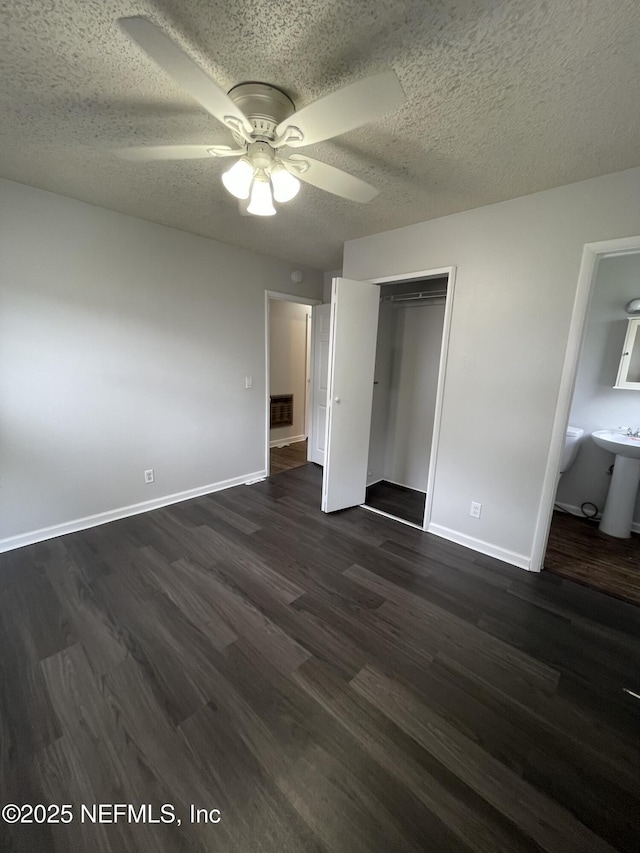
285	185
237	179
261	203
263	119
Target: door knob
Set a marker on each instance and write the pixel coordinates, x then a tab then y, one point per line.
337	399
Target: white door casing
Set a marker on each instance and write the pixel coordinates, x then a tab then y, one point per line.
321	320
352	349
307	378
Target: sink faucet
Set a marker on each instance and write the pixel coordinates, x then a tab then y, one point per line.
635	434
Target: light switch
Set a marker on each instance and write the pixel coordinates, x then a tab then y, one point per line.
248	381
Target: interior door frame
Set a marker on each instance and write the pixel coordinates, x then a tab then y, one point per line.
592	254
308	374
283	297
450	272
313	401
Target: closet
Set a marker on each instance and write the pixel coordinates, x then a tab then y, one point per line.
397	443
405	384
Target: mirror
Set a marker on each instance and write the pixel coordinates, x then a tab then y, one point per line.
629	370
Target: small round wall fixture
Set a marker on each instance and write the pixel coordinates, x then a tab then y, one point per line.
297	277
633	307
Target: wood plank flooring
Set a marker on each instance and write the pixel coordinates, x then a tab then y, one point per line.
287	457
336	683
398	501
579	551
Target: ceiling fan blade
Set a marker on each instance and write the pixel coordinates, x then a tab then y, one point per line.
226	151
165	152
177	65
346	109
329	178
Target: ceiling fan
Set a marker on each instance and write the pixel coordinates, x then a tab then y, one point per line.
265	124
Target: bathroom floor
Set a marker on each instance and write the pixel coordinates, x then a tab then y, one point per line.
577	550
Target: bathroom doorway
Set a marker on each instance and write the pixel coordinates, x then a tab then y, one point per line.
606	558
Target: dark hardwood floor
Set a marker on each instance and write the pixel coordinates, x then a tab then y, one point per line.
398	501
577	550
329	683
287	457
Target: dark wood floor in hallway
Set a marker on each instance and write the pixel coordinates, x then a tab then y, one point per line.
287	457
329	683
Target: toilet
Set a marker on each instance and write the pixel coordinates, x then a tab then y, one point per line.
571	445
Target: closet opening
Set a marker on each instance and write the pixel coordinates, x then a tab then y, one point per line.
411	325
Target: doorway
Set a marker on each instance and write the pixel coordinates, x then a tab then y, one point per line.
572	544
350	440
410	329
288	365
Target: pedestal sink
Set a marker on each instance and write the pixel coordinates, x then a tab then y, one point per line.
621	500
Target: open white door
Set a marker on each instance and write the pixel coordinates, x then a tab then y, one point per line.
321	321
352	352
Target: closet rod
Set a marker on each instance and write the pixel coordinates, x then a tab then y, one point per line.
415	297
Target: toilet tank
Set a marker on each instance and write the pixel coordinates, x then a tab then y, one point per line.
571	445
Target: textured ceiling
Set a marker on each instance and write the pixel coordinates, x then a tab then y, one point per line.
504	98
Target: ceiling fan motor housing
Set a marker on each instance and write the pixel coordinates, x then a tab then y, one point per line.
261	154
265	106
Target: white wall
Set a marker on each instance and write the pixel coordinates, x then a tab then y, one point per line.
404	396
288	360
596	403
414	383
124	345
517	269
387	319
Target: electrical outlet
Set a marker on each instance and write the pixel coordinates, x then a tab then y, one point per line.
248	381
148	475
475	510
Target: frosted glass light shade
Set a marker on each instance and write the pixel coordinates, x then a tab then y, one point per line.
632	307
238	178
261	203
285	185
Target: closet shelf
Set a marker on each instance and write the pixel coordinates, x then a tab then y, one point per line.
414	298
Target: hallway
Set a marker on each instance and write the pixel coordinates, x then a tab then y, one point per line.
287	457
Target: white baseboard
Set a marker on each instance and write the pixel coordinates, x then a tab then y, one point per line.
575	510
12	542
511	557
282	442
